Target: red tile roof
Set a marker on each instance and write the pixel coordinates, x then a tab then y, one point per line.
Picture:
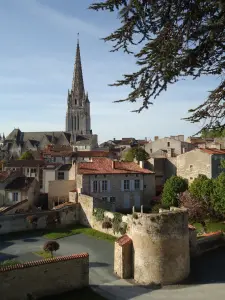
44	261
124	240
212	151
105	166
96	153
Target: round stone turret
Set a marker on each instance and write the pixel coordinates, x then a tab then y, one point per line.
161	246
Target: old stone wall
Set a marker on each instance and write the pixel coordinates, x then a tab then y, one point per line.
59	190
19	222
45	277
193	163
161	247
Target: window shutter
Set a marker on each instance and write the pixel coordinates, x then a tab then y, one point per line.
141	185
108	186
122	185
132	185
92	187
100	182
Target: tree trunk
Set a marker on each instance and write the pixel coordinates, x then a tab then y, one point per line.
51	254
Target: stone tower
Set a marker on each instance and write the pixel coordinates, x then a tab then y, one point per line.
78	119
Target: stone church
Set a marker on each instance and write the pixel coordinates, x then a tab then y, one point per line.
78	131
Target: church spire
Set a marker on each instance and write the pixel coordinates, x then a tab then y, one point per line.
78	83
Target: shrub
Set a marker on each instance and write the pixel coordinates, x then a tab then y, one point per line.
123	228
32	220
51	246
106	225
135	215
172	188
98	213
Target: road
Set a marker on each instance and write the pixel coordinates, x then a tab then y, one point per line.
207	279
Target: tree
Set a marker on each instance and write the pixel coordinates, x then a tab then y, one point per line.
51	246
201	188
137	153
177	39
213	133
197	210
172	188
26	156
218	196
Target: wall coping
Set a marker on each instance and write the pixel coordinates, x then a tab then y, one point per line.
124	240
36	263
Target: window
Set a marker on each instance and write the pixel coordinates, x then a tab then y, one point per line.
61	176
191	167
126	184
95	186
150	150
104	185
33	170
136	184
15	197
168	144
112	199
104	198
137	175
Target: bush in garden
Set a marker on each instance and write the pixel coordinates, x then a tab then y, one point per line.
51	246
172	188
106	225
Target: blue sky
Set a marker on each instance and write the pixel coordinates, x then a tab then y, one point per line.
38	43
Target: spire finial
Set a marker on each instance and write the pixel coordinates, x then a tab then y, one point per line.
78	38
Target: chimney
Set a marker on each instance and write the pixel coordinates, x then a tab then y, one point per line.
156	138
142	164
113	164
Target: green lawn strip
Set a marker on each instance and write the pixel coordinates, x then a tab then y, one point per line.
61	233
43	254
211	226
9	262
83	294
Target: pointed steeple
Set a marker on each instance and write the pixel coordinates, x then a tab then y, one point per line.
78	83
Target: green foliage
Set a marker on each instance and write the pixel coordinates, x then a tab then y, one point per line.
117	222
172	188
222	164
9	262
123	228
98	213
213	133
135	215
201	188
218	196
26	156
51	246
155	208
107	224
137	153
176	39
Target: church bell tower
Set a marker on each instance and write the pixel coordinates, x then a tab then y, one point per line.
78	119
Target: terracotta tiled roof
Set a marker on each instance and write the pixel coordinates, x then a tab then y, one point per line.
105	166
44	261
212	151
64	205
123	240
5	209
92	153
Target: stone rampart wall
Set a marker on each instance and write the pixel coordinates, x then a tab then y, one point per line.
46	277
47	219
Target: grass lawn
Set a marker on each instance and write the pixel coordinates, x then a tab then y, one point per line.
211	226
84	294
64	232
9	262
43	254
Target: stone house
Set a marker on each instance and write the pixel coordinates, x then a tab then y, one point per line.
52	172
65	157
200	161
29	168
199	142
126	184
21	188
169	146
6	177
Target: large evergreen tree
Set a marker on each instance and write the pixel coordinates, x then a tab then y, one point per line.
177	39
